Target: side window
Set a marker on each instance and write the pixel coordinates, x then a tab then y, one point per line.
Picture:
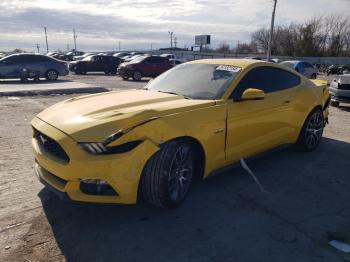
268	79
18	59
39	59
307	65
155	60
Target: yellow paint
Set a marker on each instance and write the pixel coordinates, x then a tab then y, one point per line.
227	130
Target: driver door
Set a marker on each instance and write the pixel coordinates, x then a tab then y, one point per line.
254	126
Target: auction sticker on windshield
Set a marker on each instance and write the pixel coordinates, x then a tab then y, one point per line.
234	69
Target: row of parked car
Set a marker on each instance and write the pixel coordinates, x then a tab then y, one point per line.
133	65
128	65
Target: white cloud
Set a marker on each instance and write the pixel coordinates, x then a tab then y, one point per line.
137	24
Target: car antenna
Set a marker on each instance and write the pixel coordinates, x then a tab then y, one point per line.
250	172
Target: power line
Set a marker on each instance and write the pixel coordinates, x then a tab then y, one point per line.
271	31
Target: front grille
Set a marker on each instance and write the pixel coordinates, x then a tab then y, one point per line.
344	86
51	146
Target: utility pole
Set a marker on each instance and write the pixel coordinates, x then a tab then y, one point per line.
271	31
119	46
38	48
171	39
175	42
47	44
151	47
75	40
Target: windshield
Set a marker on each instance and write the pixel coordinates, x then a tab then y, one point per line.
88	58
196	81
137	59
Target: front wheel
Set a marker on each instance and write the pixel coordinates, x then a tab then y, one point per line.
168	174
334	103
51	75
311	133
137	76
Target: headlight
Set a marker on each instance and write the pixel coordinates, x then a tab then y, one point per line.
102	149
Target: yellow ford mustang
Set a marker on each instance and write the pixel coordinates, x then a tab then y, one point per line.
193	120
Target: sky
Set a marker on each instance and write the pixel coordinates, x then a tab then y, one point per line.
144	24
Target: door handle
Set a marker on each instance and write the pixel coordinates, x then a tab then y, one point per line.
287	102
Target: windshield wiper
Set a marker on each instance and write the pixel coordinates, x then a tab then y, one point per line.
173	93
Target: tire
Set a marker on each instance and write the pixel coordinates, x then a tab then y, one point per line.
107	72
136	76
168	175
311	133
51	75
334	103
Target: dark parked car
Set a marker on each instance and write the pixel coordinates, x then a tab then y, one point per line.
96	63
32	66
70	55
144	66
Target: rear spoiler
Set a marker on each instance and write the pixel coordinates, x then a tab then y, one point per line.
319	82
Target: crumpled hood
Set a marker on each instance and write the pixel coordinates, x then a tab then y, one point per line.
93	118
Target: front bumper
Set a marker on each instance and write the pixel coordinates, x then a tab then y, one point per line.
339	95
121	171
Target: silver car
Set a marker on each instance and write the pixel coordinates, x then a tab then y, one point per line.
302	67
32	65
339	89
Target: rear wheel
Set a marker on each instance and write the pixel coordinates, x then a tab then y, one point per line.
311	134
137	76
167	176
51	75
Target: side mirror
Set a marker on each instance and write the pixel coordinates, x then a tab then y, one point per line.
253	94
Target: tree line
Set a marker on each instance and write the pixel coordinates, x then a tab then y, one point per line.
319	36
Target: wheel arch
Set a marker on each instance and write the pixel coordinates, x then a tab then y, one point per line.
199	153
199	159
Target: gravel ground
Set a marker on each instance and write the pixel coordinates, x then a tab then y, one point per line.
225	217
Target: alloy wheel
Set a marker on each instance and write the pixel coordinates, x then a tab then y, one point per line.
180	173
137	76
314	130
52	75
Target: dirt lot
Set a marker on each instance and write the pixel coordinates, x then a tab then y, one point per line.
225	217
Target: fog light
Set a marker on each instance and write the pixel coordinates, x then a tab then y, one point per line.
96	187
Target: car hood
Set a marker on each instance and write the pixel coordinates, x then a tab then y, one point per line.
93	118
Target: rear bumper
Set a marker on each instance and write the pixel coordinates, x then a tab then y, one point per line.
121	171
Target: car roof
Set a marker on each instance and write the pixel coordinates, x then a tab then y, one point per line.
243	63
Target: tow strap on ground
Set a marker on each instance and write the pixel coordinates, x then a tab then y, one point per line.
250	172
